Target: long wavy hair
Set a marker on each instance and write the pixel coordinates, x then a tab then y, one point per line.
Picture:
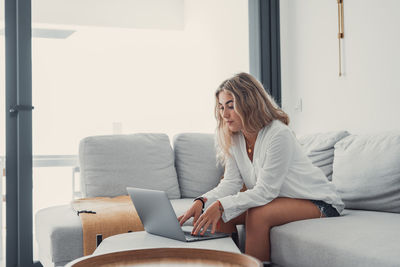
255	107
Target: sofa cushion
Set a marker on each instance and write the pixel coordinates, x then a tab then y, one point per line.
320	149
111	163
58	232
358	238
366	171
196	164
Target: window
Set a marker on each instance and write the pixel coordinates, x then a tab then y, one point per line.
106	71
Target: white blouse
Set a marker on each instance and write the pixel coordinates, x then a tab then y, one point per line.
280	168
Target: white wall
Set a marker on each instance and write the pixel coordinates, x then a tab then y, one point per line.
366	98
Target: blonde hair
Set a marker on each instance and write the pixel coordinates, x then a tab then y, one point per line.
255	107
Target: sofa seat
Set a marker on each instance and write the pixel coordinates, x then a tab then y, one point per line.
59	232
358	238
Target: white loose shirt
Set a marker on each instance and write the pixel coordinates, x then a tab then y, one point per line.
280	168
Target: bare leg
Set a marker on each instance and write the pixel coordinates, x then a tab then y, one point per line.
260	220
230	227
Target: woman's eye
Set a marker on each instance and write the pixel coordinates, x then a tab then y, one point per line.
221	108
231	107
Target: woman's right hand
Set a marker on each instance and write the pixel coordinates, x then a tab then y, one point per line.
194	211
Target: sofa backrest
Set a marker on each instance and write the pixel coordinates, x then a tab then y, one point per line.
366	171
111	163
196	164
319	148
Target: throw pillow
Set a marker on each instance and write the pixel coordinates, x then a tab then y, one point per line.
111	163
366	171
320	149
196	163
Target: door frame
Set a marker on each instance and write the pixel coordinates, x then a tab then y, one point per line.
18	48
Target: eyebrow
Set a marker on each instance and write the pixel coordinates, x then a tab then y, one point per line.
227	102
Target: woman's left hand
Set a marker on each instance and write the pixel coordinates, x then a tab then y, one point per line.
210	216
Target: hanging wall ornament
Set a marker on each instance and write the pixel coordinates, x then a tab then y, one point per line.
340	33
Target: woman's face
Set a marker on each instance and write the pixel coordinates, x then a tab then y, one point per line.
228	113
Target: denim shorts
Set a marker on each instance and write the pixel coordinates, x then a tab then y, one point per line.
326	209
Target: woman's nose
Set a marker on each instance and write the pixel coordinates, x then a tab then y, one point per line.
225	113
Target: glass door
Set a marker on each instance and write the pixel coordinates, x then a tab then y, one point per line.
18	132
123	67
2	136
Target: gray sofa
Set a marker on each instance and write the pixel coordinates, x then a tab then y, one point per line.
365	170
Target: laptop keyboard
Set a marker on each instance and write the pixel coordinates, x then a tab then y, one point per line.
191	237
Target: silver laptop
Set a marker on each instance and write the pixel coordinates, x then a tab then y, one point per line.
158	217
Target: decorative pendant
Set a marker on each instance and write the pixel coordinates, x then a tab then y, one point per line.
249	150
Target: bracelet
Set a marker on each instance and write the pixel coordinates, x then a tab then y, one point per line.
221	209
202	201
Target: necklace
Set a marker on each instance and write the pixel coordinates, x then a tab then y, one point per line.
249	147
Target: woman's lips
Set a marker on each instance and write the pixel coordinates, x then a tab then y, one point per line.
229	122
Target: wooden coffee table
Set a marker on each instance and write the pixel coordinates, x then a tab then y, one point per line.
146	250
177	257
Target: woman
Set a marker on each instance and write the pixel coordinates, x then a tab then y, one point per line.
260	151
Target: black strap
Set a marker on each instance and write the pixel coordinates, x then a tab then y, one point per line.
85	211
201	199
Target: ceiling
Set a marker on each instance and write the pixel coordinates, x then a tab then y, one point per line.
137	14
